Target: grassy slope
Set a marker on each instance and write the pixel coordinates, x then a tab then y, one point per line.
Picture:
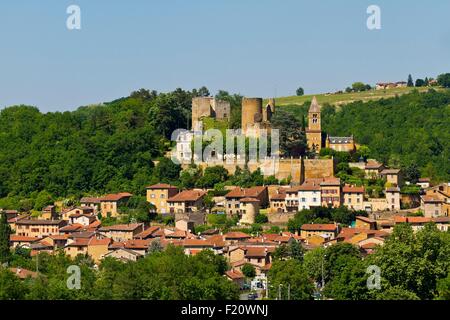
338	99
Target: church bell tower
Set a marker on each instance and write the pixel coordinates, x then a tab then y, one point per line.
314	130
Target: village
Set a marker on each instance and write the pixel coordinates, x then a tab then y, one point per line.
78	230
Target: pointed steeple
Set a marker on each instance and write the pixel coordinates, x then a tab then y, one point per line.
315	107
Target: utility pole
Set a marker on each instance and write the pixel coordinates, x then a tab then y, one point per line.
289	291
279	291
323	276
37	263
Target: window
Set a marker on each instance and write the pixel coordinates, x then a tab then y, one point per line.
152	196
162	196
314	199
303	200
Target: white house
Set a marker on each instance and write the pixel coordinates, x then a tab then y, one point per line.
309	196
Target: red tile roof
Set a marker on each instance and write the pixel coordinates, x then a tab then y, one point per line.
234	274
250	200
115	197
122	227
148	232
90	200
99	242
253	192
390	171
137	244
413	220
71	228
280	195
352	189
236	236
319	227
161	186
365	219
16	238
188	195
309	187
373	165
432	198
23	273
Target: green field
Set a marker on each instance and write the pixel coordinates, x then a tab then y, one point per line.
343	98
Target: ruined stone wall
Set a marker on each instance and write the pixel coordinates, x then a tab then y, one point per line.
318	168
222	109
280	218
201	107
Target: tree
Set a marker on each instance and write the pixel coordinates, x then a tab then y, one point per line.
420	83
292	137
5	232
350	283
249	270
289	280
167	171
359	86
412	173
300	92
443	288
11	287
212	176
313	262
410	81
394	293
202	92
414	261
444	80
43	199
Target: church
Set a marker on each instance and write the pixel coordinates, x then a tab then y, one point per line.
314	133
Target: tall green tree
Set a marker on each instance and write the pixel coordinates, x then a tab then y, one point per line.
289	280
5	232
410	82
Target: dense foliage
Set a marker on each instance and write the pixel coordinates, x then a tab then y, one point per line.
410	130
341	215
412	266
167	275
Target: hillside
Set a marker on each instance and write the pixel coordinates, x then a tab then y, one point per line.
343	98
412	130
111	147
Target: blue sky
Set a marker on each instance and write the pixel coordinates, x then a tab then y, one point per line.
253	47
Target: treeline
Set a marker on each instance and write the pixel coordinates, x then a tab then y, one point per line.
93	150
167	275
409	266
410	131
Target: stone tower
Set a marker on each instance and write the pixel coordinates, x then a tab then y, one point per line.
252	114
314	130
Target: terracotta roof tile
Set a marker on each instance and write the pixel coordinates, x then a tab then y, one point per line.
319	227
115	197
352	189
236	235
161	186
253	192
188	195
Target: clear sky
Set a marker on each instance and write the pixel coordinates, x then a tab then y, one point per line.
254	47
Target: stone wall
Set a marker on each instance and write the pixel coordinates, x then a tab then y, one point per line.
297	169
